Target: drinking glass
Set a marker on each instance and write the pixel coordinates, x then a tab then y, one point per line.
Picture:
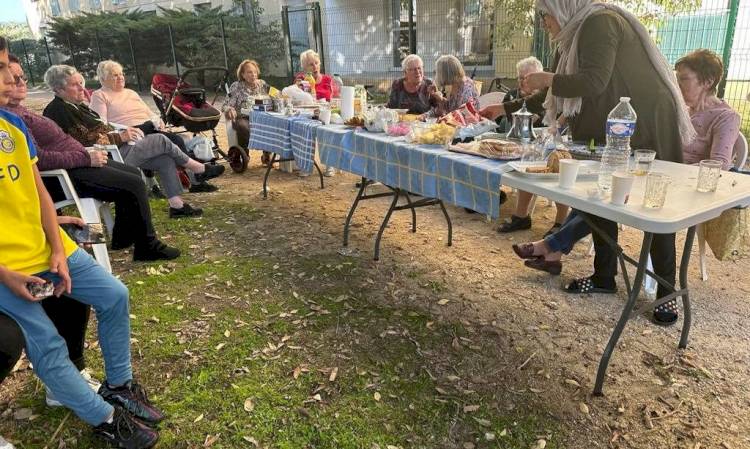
656	190
708	175
642	161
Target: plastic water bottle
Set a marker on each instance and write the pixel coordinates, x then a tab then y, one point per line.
339	82
620	127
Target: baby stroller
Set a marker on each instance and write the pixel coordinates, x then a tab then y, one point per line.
181	104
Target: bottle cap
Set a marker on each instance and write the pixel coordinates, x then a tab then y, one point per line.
625	99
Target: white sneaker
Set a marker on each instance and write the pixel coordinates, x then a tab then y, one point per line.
53	402
330	171
5	445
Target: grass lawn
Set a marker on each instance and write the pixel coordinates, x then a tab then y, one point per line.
246	348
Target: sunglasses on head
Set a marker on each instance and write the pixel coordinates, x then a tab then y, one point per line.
20	78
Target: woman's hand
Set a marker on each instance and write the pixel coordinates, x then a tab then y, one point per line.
16	283
65	219
131	135
58	264
492	111
98	158
536	81
231	114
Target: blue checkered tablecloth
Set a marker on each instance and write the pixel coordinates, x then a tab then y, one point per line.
270	132
429	170
302	133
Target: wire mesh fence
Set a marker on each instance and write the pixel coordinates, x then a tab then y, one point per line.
365	42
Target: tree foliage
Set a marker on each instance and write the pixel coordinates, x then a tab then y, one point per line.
197	36
519	14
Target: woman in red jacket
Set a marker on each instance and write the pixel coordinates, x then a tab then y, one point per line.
324	85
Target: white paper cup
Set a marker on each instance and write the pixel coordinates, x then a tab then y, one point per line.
325	116
621	185
568	172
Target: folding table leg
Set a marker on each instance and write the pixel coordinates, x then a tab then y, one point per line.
320	174
625	315
385	223
413	213
687	319
447	220
268	172
360	193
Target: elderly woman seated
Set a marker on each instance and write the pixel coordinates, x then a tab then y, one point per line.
325	88
93	175
153	152
247	86
450	75
717	126
413	91
118	104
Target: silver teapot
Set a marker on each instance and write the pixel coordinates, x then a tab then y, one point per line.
523	125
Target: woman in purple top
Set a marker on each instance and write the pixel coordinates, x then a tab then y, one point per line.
450	72
717	125
413	91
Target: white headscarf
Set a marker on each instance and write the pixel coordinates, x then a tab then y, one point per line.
571	14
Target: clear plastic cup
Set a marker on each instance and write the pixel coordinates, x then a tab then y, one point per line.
655	193
642	161
708	175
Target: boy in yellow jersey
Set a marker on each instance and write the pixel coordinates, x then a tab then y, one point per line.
34	250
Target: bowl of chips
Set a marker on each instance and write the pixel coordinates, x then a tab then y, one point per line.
431	133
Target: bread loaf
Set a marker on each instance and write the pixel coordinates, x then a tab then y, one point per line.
553	162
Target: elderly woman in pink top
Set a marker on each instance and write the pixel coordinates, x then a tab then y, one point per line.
717	125
118	104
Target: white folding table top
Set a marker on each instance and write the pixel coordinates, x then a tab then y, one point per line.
684	206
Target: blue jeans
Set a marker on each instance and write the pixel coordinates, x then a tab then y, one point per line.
47	350
574	228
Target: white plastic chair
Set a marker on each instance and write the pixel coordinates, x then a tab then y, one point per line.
91	211
739	156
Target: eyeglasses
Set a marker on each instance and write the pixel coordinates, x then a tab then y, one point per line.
18	79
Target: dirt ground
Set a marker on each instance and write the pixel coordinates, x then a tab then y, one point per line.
546	343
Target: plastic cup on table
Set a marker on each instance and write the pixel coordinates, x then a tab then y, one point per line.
642	160
325	116
568	172
708	175
621	185
656	190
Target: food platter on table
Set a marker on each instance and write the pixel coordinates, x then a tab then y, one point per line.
497	149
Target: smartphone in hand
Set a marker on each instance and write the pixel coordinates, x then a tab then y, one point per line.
90	234
41	291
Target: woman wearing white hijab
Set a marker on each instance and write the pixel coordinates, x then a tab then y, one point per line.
605	53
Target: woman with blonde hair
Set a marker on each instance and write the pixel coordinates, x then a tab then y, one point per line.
324	86
247	86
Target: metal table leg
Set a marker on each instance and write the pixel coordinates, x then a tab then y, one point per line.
268	172
625	315
413	213
385	223
687	319
320	174
348	221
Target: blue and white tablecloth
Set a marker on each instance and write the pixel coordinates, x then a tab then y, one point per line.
302	136
270	132
429	170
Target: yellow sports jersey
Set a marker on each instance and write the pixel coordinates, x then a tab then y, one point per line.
23	245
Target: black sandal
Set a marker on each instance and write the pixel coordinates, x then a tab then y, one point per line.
666	314
515	223
586	285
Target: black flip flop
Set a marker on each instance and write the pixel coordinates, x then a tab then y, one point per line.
666	314
586	285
